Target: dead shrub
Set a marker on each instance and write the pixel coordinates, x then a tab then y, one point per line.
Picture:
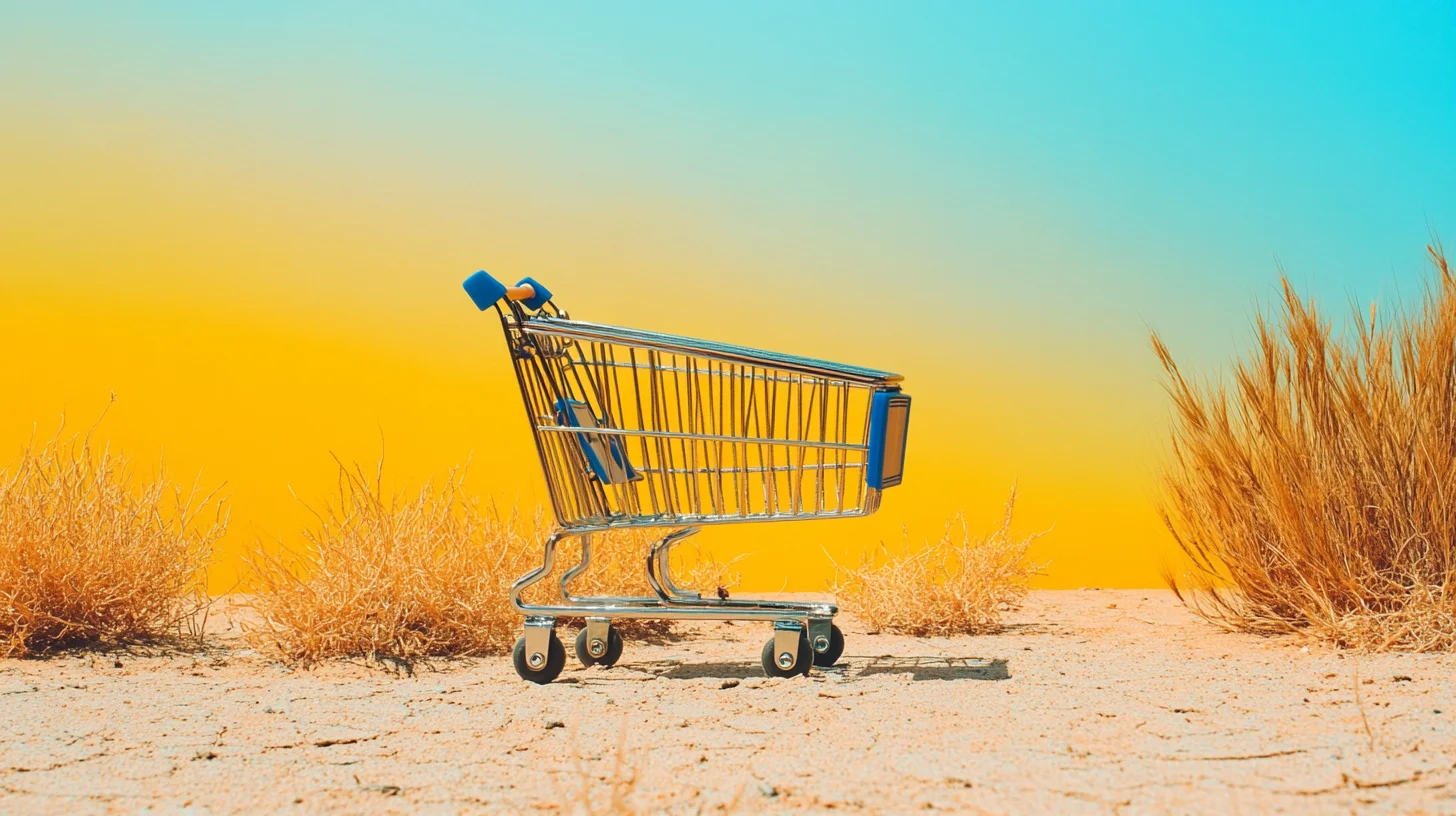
392	576
91	555
959	584
1318	493
424	575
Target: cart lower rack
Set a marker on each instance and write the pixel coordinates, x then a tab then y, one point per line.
637	429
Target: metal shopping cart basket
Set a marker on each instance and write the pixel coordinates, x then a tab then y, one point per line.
637	429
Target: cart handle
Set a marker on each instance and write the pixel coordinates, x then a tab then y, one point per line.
486	291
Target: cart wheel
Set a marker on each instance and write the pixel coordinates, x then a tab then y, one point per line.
555	661
608	658
830	656
801	666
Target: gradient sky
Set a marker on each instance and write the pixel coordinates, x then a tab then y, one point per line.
251	220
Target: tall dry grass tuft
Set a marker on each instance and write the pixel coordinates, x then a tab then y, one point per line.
958	585
90	555
1318	494
423	575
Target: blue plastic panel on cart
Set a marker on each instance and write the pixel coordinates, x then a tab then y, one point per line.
603	455
889	427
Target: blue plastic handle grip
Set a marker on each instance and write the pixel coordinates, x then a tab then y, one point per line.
542	294
484	290
487	291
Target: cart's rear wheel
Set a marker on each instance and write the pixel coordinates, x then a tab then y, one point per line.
606	659
555	661
801	666
830	656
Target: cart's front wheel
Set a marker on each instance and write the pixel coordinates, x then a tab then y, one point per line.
555	661
608	658
830	656
772	668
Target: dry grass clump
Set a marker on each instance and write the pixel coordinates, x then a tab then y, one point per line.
90	555
1318	494
425	575
959	585
392	576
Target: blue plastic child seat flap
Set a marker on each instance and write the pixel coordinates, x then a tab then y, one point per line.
484	290
542	294
889	428
603	455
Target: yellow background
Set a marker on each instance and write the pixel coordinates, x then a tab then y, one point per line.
249	336
251	224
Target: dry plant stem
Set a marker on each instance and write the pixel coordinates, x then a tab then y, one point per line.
91	555
423	575
620	786
1317	493
958	585
1360	705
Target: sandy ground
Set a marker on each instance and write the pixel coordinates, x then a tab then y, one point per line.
1090	702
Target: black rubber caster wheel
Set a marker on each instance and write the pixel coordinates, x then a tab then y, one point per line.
555	661
609	658
830	656
801	666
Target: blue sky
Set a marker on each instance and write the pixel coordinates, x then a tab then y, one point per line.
1137	157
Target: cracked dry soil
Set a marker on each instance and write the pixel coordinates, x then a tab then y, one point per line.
1089	702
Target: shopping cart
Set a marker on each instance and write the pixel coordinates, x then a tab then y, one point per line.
637	429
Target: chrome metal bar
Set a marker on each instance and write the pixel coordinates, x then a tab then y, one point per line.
677	604
792	443
652	579
586	606
624	521
707	611
589	332
662	551
768	377
566	577
547	558
779	469
674	606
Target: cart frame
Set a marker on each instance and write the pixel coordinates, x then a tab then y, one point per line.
637	429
